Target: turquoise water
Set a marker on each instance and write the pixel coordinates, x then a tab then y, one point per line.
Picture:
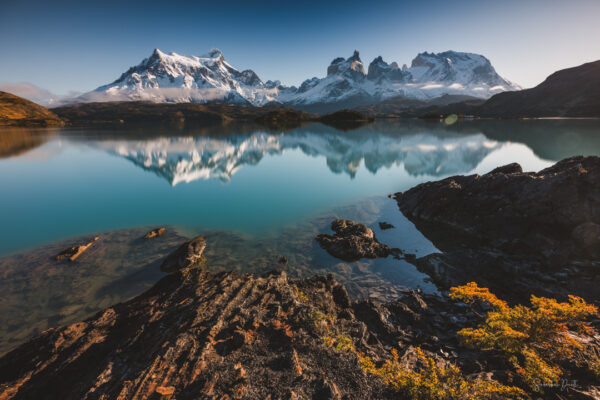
250	180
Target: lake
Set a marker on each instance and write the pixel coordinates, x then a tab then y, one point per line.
256	193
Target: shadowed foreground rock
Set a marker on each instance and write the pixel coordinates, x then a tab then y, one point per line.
352	241
198	334
206	335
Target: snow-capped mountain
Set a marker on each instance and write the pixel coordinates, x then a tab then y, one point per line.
186	159
429	76
175	78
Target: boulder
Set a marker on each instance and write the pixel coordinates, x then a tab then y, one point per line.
352	241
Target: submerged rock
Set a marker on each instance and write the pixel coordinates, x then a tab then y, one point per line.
73	253
188	255
155	232
352	241
384	225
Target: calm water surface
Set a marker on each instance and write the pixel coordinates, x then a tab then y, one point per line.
256	182
255	192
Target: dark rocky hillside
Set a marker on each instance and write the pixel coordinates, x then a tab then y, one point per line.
572	92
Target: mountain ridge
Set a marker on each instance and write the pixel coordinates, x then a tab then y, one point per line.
170	77
568	93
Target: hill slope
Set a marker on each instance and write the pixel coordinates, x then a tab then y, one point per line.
16	111
571	92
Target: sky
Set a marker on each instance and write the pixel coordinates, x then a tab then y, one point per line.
76	46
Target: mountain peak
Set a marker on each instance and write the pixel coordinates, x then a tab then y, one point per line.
351	67
467	69
380	70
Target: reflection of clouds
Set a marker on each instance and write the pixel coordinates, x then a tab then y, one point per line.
186	159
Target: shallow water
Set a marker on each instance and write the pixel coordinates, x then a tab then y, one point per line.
256	194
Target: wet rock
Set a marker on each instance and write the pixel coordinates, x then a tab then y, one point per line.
73	253
188	255
352	241
384	225
155	232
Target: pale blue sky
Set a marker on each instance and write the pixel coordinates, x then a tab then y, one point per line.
78	45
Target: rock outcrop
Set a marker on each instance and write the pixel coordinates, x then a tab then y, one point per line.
198	334
188	255
513	231
551	214
352	241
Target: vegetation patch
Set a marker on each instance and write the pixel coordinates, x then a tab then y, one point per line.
535	340
433	382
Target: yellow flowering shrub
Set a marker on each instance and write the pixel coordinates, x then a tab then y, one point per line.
534	339
432	382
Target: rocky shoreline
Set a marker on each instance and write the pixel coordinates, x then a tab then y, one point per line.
518	233
199	333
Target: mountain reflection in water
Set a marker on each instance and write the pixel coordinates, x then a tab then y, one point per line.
246	178
186	159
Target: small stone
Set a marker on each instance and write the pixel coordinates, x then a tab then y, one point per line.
74	252
155	232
